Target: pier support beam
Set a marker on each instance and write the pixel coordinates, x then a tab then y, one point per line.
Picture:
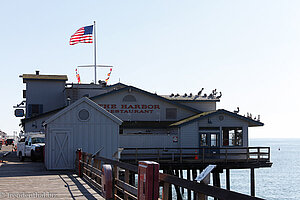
177	189
189	178
228	179
181	176
216	181
252	182
194	173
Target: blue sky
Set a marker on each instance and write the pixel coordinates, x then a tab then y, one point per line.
246	49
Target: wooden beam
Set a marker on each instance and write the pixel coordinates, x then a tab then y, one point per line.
179	196
126	181
252	182
228	179
205	189
170	186
165	194
216	181
181	176
127	187
189	178
194	171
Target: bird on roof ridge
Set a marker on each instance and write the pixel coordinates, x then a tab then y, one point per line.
237	111
199	93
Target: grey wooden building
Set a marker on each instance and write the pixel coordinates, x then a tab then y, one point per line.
154	121
148	120
84	125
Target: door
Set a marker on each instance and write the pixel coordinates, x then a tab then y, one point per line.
209	141
60	150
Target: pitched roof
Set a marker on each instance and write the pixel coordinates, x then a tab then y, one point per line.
200	116
193	98
147	93
92	104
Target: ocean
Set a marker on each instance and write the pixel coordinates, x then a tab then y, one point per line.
281	181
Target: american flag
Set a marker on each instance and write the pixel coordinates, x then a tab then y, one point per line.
82	35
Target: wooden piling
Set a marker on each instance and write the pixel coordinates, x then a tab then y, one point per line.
228	179
194	172
252	182
179	196
216	181
189	178
181	176
126	179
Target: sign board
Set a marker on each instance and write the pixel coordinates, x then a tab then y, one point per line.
175	138
19	113
205	172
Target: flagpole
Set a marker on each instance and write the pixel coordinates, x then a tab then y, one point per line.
95	51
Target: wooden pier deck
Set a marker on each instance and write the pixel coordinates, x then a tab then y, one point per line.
30	180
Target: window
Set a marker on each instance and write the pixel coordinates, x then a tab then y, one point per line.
232	136
203	139
213	140
171	113
34	109
129	98
83	115
36	140
209	136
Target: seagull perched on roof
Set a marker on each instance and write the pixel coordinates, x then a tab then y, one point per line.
214	92
237	111
199	93
220	95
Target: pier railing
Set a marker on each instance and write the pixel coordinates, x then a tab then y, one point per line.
205	155
123	181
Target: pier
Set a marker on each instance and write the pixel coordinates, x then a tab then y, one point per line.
122	181
97	177
30	180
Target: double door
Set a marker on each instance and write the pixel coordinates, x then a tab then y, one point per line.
209	141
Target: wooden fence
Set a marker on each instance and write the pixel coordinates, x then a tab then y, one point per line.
124	184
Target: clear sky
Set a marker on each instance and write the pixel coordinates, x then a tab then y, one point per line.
248	50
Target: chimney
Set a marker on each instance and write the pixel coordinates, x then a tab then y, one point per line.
37	72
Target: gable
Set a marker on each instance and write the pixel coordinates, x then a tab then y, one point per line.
83	110
133	104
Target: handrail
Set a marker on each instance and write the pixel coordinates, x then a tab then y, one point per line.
201	188
91	171
257	154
